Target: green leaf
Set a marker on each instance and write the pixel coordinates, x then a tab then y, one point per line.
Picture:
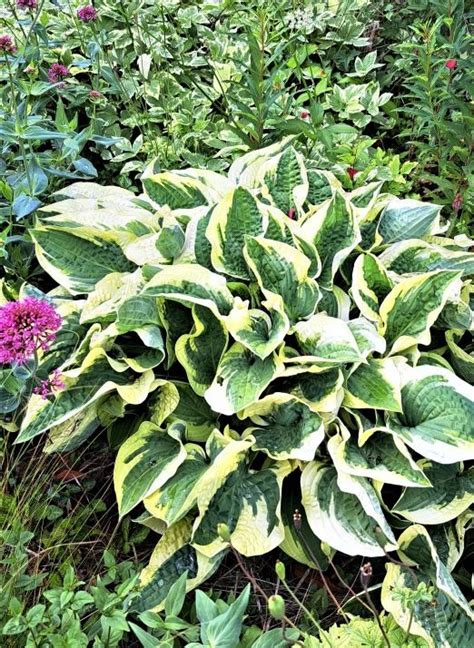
240	379
438	410
145	461
328	340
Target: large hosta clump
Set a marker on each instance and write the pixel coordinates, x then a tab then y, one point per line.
261	343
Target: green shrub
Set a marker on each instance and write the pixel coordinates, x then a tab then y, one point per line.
263	343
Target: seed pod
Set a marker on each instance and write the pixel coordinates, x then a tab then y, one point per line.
280	570
223	532
276	607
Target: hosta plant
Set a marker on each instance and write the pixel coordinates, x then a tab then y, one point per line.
265	342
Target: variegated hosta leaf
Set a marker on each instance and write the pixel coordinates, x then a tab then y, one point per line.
72	340
344	511
285	428
451	493
195	412
366	335
411	308
172	557
322	185
146	461
375	384
201	351
177	320
84	385
408	219
445	620
191	284
258	330
69	435
186	189
75	262
235	217
449	538
322	392
197	477
462	359
381	458
333	230
299	542
283	270
370	285
284	180
244	171
163	402
241	378
109	293
328	340
438	411
335	303
411	256
248	502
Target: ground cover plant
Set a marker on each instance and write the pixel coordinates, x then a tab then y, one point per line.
236	323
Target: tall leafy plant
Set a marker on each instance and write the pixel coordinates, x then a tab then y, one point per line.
266	342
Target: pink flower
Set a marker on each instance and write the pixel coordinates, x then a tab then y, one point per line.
351	172
6	44
291	213
95	94
304	114
87	13
57	72
26	4
50	385
451	64
26	326
457	202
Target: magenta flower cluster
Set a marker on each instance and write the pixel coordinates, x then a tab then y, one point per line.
26	326
27	4
57	72
87	13
50	385
6	44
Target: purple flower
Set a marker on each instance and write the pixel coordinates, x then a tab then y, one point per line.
6	44
26	4
26	326
50	385
57	72
87	13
